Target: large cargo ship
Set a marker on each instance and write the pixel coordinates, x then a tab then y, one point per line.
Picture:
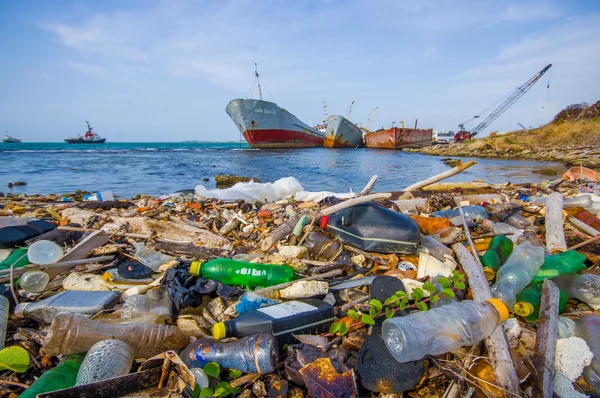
342	133
265	125
399	138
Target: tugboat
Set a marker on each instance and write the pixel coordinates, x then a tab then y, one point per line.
88	138
11	140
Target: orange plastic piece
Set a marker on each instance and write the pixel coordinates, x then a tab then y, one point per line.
580	173
143	209
431	225
194	205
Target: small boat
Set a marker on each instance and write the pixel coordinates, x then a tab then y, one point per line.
90	137
11	140
342	133
399	138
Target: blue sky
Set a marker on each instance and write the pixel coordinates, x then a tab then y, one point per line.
165	70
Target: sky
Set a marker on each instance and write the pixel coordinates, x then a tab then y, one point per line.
164	70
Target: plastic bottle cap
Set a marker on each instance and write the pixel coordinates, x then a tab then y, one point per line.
523	308
324	222
195	268
490	273
20	310
219	331
500	308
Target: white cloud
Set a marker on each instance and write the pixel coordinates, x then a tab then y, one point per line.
88	69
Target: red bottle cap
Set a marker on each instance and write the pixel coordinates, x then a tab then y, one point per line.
324	222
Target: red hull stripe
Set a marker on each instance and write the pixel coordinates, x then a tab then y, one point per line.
281	139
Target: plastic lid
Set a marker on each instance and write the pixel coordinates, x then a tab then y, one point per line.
195	267
324	222
500	308
523	308
20	310
490	273
219	331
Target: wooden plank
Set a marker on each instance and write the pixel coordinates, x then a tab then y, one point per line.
83	248
545	340
555	234
497	343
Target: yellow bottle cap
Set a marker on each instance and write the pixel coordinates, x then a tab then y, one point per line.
490	273
523	308
195	268
500	308
219	331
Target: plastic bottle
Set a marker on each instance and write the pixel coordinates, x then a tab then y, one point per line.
310	316
584	287
588	328
518	221
200	377
447	235
72	301
323	247
374	228
57	378
473	214
44	252
154	302
34	281
71	333
500	228
106	359
149	257
568	262
566	328
529	301
232	272
442	329
436	249
4	310
443	300
17	259
585	217
517	272
498	251
252	354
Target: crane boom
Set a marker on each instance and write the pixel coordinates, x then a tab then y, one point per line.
349	110
514	97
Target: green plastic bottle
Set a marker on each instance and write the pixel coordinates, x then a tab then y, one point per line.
498	251
62	376
18	257
529	300
232	272
565	263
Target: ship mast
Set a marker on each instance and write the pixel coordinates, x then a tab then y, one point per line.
257	80
89	127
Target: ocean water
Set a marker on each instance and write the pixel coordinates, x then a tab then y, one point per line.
158	168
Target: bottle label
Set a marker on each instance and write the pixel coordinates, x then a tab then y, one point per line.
287	309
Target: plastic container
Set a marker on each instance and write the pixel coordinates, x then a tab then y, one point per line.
443	300
568	262
72	301
323	247
71	333
517	272
62	376
34	281
446	236
473	214
44	252
106	359
436	249
441	330
252	354
499	250
500	228
100	196
252	301
584	287
17	259
200	377
150	258
566	328
374	228
154	302
529	301
4	310
518	221
588	328
308	316
232	272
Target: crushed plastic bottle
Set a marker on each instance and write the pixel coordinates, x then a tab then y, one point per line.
232	272
584	287
473	214
62	376
447	235
44	252
436	249
441	330
529	301
34	281
518	221
517	272
588	328
252	354
4	310
498	251
565	263
500	228
106	359
149	257
154	302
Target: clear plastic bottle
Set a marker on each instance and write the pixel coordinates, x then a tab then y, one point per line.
588	328
584	287
443	300
473	214
566	327
106	359
436	249
517	221
4	309
441	330
154	302
517	272
501	228
200	377
44	252
252	354
34	281
150	258
446	236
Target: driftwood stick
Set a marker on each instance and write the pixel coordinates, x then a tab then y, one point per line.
441	176
468	235
329	274
126	234
280	233
584	243
545	339
229	226
497	343
353	202
60	267
369	187
555	234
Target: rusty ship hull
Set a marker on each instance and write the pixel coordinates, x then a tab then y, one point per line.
265	125
342	133
399	138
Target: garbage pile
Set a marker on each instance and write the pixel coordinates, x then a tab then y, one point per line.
493	291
